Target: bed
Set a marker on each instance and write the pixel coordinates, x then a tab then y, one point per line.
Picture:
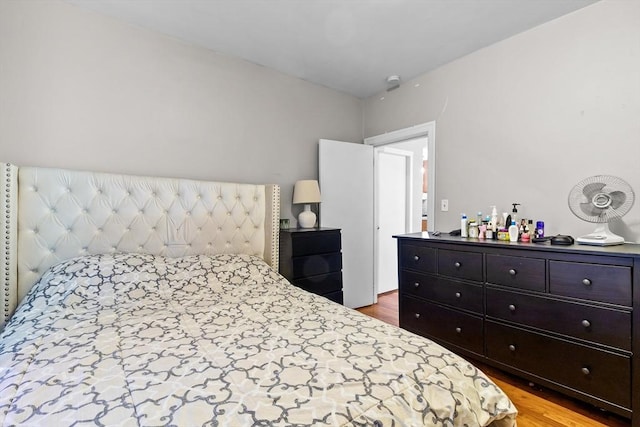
147	301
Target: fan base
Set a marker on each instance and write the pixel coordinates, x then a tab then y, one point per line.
598	239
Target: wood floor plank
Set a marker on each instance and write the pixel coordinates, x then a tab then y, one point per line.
537	407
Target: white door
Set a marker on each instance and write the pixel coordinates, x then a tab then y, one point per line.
392	216
345	172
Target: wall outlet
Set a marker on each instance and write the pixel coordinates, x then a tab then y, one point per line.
444	205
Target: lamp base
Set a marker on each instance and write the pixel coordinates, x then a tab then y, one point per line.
306	218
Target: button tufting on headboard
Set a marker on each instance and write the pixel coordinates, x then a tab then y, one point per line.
64	214
8	248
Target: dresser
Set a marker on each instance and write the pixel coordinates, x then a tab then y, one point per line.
311	258
565	317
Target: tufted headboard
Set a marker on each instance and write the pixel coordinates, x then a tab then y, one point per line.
50	215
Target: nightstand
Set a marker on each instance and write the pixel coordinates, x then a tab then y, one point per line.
311	259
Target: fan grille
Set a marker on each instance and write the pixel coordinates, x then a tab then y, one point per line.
601	198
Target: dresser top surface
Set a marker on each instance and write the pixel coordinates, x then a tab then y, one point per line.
307	230
626	249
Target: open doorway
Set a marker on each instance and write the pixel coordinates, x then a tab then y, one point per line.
404	185
395	198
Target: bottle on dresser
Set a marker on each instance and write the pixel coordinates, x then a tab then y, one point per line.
464	224
494	223
513	232
514	213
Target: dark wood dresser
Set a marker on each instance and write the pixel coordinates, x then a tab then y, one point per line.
565	317
311	258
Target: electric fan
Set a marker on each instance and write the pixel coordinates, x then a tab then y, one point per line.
601	199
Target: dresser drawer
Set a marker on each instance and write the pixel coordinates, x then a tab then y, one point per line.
601	325
606	283
320	284
316	242
316	264
460	264
598	373
518	272
418	258
443	324
442	290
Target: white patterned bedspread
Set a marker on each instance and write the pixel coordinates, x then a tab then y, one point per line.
132	339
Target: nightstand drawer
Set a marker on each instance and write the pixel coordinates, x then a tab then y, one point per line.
439	289
335	297
418	258
321	284
585	322
460	264
599	373
314	265
455	327
606	283
317	242
518	272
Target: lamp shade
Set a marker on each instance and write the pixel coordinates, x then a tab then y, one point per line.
306	191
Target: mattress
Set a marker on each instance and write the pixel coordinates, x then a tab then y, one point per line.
143	340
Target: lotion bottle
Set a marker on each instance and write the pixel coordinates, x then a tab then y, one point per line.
513	232
464	226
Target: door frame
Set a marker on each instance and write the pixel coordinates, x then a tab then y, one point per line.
425	129
422	130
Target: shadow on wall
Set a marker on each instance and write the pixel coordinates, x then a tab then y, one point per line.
627	228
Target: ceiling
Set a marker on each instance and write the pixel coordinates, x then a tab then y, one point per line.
347	45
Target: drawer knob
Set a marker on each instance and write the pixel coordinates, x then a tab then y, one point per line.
416	285
417	315
512	307
585	370
457	264
512	347
416	258
458	294
586	323
512	272
586	282
458	330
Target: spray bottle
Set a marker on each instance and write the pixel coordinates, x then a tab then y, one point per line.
494	219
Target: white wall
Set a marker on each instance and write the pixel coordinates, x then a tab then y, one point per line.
522	120
525	119
84	91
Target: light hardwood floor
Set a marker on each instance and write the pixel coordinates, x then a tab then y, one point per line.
537	407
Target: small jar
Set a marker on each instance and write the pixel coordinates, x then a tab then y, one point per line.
473	230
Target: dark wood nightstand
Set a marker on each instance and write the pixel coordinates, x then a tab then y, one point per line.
311	259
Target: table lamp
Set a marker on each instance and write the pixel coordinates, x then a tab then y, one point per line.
306	192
